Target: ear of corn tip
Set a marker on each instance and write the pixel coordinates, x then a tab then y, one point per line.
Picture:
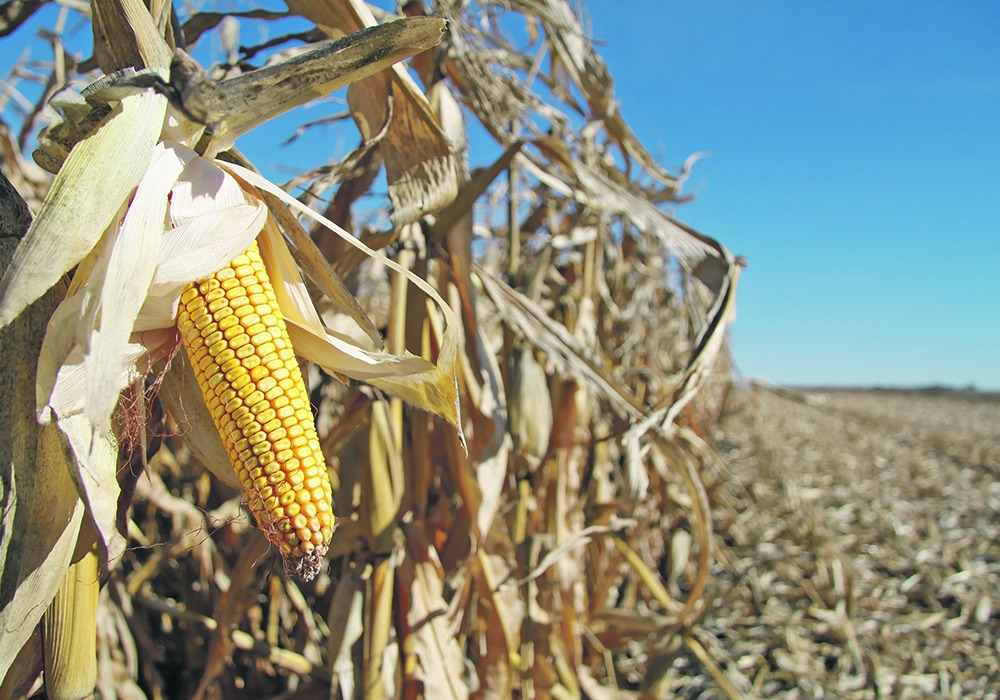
236	340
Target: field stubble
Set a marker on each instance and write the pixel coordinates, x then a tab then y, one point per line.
860	544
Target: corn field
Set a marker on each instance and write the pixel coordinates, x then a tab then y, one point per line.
511	367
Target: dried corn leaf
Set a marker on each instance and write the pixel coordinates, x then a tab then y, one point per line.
592	290
421	160
420	168
491	442
346	627
708	345
126	35
432	629
312	262
381	650
585	67
704	256
570	356
384	480
338	17
508	610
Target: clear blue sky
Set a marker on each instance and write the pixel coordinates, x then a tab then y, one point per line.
855	163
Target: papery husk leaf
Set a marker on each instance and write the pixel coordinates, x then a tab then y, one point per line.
125	286
68	396
100	172
93	470
183	399
335	353
117	286
421	169
289	287
343	356
60	338
212	220
70	638
218	226
201	188
470	192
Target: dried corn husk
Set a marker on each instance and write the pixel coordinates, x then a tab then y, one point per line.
529	407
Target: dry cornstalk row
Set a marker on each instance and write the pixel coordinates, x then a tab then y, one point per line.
545	531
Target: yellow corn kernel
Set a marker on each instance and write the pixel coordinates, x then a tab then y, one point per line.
251	382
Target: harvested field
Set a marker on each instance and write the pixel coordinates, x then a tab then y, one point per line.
861	553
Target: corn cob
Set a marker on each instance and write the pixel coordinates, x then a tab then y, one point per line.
237	342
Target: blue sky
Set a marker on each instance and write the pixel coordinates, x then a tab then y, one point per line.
855	163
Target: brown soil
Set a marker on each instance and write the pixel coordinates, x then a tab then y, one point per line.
861	545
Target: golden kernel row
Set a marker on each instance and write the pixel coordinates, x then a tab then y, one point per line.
239	348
